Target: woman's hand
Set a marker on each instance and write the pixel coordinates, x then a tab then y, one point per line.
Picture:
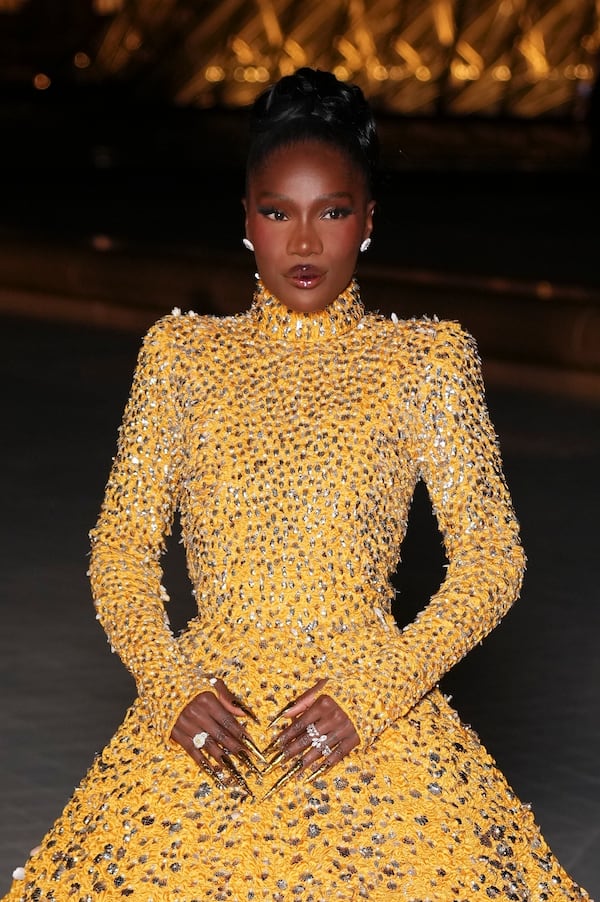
209	731
320	733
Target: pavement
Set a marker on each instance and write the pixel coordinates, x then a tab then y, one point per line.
531	690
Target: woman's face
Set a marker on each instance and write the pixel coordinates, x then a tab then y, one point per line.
307	212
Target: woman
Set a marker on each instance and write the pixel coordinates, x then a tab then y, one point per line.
292	743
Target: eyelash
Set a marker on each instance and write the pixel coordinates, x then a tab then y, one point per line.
279	216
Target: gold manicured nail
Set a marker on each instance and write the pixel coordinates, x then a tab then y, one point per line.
274	762
253	748
247	760
281	714
283	780
272	746
316	773
243	707
226	760
213	773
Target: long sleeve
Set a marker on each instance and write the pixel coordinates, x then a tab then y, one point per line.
129	538
460	462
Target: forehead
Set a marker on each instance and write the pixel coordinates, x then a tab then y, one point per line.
305	163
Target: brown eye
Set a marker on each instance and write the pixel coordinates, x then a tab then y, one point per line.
337	213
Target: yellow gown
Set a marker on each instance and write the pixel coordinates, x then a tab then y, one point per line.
291	445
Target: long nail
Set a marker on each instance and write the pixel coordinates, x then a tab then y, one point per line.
247	760
274	762
283	780
244	707
281	714
316	773
272	746
212	772
253	748
226	760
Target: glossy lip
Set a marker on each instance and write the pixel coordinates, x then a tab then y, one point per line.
305	276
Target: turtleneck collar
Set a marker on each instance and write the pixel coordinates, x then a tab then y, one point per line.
277	321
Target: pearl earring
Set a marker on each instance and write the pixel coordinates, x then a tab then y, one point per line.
366	244
247	244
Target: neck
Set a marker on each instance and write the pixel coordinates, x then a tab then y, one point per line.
279	322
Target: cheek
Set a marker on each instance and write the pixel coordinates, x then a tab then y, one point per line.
268	242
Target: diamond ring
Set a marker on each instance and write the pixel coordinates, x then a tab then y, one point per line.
199	740
312	731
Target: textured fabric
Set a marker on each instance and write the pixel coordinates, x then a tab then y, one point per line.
291	445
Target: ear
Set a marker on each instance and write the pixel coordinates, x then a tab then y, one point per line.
369	219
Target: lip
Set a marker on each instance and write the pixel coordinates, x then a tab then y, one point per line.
305	276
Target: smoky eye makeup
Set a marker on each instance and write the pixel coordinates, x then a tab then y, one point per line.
271	212
338	212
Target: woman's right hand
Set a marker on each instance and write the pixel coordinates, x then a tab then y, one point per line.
210	732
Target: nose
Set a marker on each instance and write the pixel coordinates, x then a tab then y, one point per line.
304	240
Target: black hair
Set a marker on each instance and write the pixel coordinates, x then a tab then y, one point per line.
313	105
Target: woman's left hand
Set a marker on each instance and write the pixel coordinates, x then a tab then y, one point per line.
319	736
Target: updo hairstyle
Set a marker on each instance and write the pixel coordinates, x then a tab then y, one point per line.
313	105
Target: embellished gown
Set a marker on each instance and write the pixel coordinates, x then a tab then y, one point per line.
291	445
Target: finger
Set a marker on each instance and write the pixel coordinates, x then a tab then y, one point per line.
325	763
223	771
237	776
212	771
226	735
298	740
294	769
233	703
299	704
323	715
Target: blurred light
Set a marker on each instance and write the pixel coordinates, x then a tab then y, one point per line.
242	51
133	40
295	51
532	48
342	73
102	242
251	74
379	73
544	290
583	71
591	42
215	74
11	6
470	55
107	7
423	73
349	52
501	73
506	8
81	60
464	71
407	52
286	66
444	22
41	81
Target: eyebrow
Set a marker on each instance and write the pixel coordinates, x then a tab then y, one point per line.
332	196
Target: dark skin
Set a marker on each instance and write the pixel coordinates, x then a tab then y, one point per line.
308	209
